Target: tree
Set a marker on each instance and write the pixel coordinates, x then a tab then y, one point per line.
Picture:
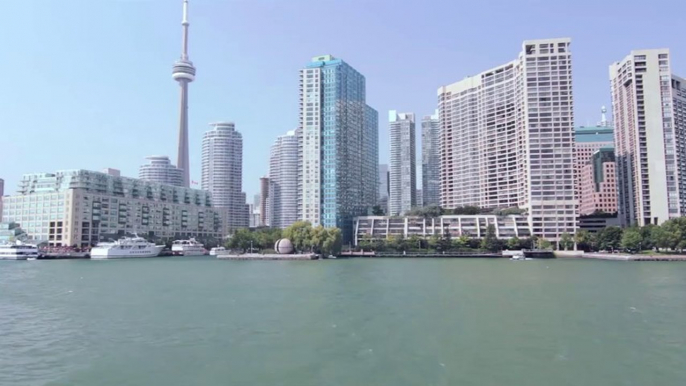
514	243
434	242
647	237
365	242
299	234
632	240
241	239
430	211
609	238
585	240
566	241
544	244
490	242
414	242
333	242
396	242
467	210
377	211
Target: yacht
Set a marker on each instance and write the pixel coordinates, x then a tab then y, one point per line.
126	247
216	251
187	248
18	251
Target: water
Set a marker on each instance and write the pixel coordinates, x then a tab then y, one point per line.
199	321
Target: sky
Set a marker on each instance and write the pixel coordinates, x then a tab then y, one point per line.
87	83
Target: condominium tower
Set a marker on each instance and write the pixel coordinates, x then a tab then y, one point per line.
403	196
222	171
431	161
337	169
283	186
507	138
649	110
384	187
159	169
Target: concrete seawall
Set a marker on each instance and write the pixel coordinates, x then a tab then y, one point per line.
257	256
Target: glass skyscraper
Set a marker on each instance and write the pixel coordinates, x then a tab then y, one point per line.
338	140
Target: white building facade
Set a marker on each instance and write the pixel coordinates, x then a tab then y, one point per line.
283	184
431	161
403	166
507	138
82	208
222	172
160	169
649	110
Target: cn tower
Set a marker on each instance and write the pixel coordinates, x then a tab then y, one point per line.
184	73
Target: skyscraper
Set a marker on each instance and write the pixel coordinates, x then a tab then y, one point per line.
384	187
222	171
403	163
334	123
648	105
507	138
184	73
370	159
283	186
264	202
159	169
431	161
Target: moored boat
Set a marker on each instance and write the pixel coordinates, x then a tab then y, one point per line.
187	248
18	251
127	247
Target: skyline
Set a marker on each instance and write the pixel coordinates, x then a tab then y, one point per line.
249	70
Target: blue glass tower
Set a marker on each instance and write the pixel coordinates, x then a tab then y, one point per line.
338	138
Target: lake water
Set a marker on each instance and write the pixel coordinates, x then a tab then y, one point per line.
199	321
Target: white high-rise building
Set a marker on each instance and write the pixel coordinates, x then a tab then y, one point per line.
159	169
283	186
507	138
649	110
222	172
431	161
403	184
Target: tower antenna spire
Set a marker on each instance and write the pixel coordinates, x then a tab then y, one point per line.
603	117
185	24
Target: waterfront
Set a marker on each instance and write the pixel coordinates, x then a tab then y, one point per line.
200	321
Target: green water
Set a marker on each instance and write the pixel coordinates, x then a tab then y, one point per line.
199	321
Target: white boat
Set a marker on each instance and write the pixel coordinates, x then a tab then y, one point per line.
216	251
18	251
125	248
187	248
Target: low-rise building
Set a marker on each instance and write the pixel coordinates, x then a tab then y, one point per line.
81	207
475	226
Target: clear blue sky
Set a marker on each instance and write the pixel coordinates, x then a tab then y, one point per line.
87	83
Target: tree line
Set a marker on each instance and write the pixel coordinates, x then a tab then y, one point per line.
671	235
446	242
305	238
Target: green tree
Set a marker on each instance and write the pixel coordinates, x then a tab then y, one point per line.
467	210
514	243
434	242
445	242
241	239
632	240
544	244
430	211
333	242
377	211
299	234
414	242
585	240
490	242
566	241
647	242
609	238
365	242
